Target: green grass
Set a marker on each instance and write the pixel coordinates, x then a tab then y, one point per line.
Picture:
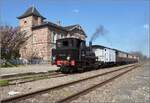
3	82
7	64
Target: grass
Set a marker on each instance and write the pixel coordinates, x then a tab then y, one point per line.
7	64
50	71
4	82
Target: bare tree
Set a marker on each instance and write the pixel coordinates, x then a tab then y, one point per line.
11	39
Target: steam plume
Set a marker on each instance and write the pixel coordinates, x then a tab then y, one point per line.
99	31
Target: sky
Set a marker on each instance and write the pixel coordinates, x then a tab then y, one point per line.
126	21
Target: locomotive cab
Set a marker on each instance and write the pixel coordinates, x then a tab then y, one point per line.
71	54
67	52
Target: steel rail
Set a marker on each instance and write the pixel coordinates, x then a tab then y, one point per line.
7	76
87	90
45	90
30	76
35	78
40	78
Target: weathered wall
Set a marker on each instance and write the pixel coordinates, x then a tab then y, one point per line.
41	40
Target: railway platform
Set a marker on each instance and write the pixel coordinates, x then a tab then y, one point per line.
25	69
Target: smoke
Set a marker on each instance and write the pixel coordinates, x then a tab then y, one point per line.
140	55
99	31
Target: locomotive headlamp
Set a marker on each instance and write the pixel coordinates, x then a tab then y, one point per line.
68	57
54	58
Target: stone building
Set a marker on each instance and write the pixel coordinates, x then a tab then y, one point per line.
43	35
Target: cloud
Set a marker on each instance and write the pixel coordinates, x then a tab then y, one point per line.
75	11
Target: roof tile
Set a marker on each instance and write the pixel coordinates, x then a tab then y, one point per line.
31	11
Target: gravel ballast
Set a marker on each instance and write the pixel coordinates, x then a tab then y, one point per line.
40	84
133	87
56	95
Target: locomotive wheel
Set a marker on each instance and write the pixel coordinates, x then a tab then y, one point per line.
63	69
71	70
67	69
80	70
96	67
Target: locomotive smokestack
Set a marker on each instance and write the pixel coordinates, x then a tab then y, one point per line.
90	45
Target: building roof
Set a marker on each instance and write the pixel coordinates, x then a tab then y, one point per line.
31	11
67	28
70	27
47	23
76	26
70	39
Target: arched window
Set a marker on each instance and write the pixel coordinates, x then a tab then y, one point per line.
55	37
25	22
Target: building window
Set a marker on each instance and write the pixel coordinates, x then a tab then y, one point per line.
61	36
25	22
53	37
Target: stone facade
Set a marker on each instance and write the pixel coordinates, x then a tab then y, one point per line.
43	35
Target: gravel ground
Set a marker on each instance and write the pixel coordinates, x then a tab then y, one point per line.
56	95
27	68
40	84
133	87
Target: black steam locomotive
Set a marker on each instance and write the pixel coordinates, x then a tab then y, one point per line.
73	55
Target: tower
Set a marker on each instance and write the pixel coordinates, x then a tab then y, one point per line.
27	20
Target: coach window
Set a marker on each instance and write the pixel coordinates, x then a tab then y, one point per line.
71	43
65	43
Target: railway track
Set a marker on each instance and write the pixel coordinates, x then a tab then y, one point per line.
29	78
67	98
87	90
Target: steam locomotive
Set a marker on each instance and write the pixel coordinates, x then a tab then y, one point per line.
72	55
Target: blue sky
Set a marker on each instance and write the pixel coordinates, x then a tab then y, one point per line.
127	21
